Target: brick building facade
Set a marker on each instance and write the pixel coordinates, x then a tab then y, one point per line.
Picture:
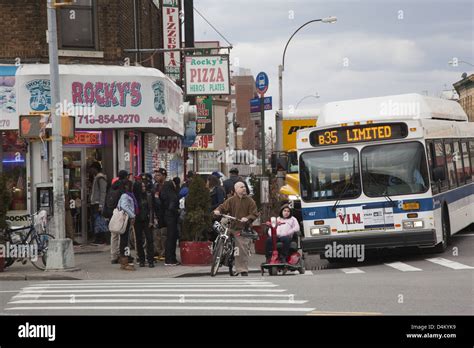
244	91
107	27
465	89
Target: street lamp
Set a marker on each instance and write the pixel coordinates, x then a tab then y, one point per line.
281	68
308	96
455	62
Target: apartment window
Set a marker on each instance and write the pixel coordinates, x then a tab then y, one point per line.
78	25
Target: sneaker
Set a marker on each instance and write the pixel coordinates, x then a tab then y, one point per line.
75	243
114	262
151	264
172	264
244	274
142	264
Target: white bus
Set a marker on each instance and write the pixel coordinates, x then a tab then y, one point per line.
387	172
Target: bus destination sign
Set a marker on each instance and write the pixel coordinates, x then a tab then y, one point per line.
358	134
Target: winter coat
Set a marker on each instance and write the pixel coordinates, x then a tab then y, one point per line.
127	204
239	208
169	199
290	227
217	197
99	190
145	205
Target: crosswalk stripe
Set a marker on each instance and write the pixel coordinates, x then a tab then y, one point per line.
352	270
448	263
153	295
75	284
403	267
182	299
158	286
152	290
186	308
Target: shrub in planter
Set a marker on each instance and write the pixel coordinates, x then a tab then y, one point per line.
195	246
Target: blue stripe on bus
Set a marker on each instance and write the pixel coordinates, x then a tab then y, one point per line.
426	204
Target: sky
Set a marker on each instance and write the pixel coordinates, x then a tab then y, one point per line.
375	48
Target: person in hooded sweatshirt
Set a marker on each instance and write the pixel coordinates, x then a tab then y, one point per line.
129	205
285	233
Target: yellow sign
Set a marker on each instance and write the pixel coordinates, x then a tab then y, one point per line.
290	127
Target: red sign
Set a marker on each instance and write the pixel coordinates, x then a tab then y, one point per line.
171	145
85	138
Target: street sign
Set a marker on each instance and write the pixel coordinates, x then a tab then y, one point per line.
255	104
255	116
261	82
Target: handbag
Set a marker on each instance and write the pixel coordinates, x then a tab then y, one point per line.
118	222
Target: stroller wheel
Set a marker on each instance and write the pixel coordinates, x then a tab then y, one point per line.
273	271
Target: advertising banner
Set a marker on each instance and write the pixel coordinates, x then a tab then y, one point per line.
207	75
171	38
203	143
8	115
204	115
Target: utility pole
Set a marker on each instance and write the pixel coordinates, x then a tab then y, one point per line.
262	131
60	250
188	6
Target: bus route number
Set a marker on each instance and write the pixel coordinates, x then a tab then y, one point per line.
329	137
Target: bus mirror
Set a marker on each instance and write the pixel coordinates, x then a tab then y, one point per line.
438	174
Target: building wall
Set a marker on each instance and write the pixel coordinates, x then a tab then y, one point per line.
465	89
244	91
24	35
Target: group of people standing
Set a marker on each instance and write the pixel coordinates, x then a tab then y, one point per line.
152	206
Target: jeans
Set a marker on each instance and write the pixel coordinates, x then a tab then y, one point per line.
171	238
124	237
142	228
284	250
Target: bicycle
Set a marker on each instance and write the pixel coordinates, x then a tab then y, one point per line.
31	242
224	245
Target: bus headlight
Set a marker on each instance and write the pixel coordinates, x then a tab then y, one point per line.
319	230
411	224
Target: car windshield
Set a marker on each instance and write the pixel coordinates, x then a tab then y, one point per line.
330	175
394	169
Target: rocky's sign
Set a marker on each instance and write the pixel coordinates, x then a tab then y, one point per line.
207	75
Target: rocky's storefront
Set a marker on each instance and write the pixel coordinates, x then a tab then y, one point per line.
115	108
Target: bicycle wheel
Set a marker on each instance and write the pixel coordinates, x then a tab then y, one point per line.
216	257
39	244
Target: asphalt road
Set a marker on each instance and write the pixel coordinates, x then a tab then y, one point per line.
396	283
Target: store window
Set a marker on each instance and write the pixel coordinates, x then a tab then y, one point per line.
132	152
77	25
14	169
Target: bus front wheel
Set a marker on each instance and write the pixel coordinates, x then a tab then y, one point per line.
446	232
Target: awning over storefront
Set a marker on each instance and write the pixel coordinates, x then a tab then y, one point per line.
105	97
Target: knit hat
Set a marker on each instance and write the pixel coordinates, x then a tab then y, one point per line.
123	174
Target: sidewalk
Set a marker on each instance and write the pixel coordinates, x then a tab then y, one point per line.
93	262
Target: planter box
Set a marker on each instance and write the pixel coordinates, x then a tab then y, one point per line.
2	263
196	253
260	243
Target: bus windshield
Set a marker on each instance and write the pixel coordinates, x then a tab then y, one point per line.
330	175
394	169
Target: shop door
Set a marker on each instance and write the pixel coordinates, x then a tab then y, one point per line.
75	193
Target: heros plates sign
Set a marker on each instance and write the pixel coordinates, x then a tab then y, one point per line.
207	75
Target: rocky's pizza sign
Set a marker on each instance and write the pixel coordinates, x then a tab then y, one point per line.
207	75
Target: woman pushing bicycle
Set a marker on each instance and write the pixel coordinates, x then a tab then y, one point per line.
244	209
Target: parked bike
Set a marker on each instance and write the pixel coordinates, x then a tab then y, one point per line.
28	242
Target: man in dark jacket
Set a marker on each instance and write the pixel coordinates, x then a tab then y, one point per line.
229	183
160	232
170	202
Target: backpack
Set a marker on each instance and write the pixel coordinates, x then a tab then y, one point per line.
111	200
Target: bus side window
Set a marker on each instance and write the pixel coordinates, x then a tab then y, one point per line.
466	162
430	156
448	148
457	158
439	166
471	150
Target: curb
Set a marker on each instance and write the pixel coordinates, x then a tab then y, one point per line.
18	276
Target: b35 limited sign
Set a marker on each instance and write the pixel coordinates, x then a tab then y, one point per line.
207	75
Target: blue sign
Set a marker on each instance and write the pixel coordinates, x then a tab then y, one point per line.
261	82
255	104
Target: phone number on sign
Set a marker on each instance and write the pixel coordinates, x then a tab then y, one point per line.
106	119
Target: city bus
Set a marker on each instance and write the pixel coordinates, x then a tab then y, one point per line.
386	172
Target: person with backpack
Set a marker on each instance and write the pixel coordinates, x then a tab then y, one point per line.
98	193
129	205
111	200
144	222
